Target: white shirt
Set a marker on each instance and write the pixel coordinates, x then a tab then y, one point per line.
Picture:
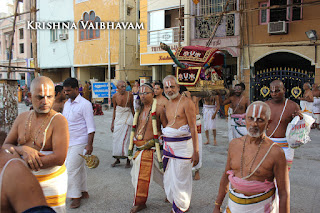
79	115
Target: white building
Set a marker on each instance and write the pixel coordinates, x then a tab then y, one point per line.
55	46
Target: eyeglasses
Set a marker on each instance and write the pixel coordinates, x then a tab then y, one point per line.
144	93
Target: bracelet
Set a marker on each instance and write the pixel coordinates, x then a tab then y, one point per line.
217	204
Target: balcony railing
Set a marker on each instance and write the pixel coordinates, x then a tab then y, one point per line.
168	36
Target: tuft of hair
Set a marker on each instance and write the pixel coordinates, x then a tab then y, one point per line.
121	82
264	105
171	77
38	80
160	84
147	85
58	88
242	85
71	82
308	84
183	88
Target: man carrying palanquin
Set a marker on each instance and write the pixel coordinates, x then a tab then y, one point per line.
316	106
210	109
238	104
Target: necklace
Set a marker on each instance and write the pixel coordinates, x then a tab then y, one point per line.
175	114
284	108
140	135
237	105
241	167
29	128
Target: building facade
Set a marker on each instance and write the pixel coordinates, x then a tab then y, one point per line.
91	45
55	46
204	17
161	18
276	46
21	49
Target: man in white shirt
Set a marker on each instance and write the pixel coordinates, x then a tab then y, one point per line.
79	113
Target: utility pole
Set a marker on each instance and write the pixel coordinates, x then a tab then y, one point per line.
109	70
217	24
12	36
33	10
180	25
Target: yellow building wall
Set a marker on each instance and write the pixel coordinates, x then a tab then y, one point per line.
95	52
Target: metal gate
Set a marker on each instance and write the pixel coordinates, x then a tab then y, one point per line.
292	78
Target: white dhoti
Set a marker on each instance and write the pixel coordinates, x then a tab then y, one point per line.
198	122
306	107
121	134
54	183
238	125
135	104
208	111
289	152
77	174
263	202
316	110
230	133
177	179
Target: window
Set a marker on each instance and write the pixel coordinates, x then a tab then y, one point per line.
21	33
164	26
264	14
21	48
85	31
283	13
53	35
209	7
207	15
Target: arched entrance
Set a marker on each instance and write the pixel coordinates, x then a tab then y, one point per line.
293	70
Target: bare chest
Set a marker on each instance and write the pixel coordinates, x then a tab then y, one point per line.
36	135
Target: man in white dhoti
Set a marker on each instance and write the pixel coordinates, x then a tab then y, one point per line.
238	103
210	109
254	168
121	123
181	146
79	114
41	137
306	101
316	106
282	111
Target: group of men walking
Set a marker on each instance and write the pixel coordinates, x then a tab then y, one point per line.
257	168
255	129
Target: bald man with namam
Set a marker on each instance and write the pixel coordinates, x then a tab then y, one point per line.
122	120
254	163
306	101
316	106
282	112
41	137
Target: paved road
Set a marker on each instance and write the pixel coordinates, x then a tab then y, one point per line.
111	189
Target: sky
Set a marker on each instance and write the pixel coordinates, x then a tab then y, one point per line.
3	5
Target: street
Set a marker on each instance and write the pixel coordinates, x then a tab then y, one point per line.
111	190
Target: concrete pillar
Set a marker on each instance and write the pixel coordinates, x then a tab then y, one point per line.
317	76
155	72
73	72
